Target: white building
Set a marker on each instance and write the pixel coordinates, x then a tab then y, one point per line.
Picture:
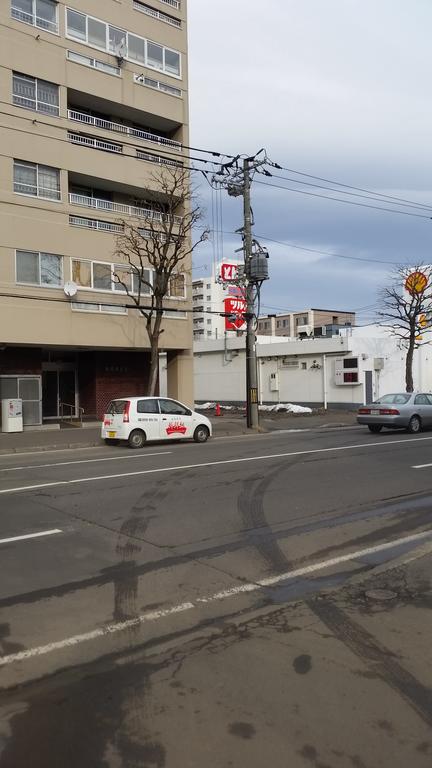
344	371
208	295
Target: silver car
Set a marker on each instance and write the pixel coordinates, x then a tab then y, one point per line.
412	410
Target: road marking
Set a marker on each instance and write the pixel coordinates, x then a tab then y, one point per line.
84	461
31	536
421	466
151	616
222	462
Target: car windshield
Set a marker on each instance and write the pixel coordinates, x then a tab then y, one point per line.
400	399
116	406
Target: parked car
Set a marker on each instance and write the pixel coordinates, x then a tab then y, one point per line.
138	419
412	410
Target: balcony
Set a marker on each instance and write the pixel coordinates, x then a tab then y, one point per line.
126	130
35	21
124	210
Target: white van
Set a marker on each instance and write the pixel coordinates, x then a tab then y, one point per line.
138	419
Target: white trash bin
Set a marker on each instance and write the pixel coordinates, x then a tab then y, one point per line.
12	415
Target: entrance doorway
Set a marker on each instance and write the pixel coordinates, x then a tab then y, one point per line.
59	388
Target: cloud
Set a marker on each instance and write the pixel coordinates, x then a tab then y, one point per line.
335	89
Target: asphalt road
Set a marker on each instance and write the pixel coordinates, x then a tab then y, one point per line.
163	607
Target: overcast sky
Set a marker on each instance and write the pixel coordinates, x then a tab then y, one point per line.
333	88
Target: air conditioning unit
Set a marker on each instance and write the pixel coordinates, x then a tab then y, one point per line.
307	329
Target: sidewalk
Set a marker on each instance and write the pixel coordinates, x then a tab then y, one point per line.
223	426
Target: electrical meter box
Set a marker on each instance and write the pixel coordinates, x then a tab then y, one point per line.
12	415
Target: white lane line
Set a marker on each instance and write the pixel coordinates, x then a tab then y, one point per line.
421	466
210	464
31	536
151	616
84	461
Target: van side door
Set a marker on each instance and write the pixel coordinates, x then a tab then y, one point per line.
148	417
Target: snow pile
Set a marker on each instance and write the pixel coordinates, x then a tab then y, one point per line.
285	408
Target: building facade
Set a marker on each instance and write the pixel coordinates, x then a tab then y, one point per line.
308	322
344	371
208	296
94	106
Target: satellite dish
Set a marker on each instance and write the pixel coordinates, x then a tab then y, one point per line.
70	288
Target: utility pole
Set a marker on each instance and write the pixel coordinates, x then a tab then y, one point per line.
237	182
252	412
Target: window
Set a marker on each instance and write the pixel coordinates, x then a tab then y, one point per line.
209	322
148	406
149	82
421	400
97	33
100	34
87	61
208	298
101	276
108	309
170	407
208	286
335	319
145	278
36	180
39	13
350	362
177	287
31	93
36	268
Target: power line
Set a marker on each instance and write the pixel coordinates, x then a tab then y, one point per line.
341	200
372	196
350	186
326	253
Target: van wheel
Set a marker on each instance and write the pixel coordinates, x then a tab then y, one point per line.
111	441
414	425
375	428
136	438
201	434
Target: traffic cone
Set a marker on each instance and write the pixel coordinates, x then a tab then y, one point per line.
217	410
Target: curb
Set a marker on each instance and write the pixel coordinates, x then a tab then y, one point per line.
42	448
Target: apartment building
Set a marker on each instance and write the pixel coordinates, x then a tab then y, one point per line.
307	323
93	104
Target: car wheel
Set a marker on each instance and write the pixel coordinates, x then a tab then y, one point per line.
375	428
136	438
414	424
111	441
201	434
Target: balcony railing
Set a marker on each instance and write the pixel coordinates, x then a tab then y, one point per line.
172	3
89	141
125	210
157	14
158	159
104	226
107	125
35	21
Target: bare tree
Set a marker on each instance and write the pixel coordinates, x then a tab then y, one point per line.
156	253
405	308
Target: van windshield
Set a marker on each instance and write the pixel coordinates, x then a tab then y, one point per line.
116	406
